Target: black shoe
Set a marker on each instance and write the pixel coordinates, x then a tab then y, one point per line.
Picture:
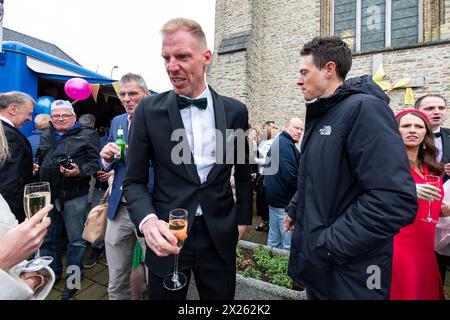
68	293
95	255
296	286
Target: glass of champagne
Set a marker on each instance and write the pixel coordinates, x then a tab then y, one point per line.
178	226
434	181
35	197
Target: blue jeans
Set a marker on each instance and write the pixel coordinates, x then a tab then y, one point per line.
73	216
278	237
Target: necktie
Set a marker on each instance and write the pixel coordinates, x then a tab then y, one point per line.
182	102
438	134
129	125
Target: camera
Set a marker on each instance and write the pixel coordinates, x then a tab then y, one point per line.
65	161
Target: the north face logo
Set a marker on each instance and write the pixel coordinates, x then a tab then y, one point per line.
325	131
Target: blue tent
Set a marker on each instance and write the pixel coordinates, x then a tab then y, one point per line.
22	67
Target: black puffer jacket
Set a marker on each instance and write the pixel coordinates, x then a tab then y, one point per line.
355	191
82	145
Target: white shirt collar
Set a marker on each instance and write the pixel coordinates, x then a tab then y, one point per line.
7	121
204	94
437	130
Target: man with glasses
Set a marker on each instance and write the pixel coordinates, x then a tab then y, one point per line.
68	156
121	235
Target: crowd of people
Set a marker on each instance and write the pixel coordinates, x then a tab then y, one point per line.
347	192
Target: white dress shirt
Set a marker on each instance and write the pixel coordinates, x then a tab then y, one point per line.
200	129
200	126
7	121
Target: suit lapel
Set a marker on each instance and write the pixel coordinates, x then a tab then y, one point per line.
21	137
177	123
221	125
445	146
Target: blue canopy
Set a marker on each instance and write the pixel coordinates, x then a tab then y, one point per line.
19	58
21	68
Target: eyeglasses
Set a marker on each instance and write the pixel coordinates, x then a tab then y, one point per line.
60	116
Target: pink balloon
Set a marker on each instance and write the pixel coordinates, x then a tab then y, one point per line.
78	89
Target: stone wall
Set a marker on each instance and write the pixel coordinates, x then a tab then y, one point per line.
424	62
228	73
264	76
445	27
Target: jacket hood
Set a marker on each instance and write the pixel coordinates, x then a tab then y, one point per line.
363	84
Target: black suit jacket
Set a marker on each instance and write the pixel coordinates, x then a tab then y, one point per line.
178	185
445	135
17	171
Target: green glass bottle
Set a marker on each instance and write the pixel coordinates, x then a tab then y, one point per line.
121	144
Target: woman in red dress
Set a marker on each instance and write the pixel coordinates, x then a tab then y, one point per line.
415	274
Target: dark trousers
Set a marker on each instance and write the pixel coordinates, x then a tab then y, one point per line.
215	280
262	208
442	265
311	294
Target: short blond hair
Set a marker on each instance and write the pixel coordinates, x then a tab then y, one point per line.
42	121
189	25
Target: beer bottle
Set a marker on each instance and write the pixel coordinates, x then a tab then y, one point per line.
121	144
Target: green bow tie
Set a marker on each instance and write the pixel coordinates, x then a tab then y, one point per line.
182	102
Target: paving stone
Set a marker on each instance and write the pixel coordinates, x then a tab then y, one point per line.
93	292
91	272
54	295
102	277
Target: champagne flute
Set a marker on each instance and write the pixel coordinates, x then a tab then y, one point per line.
434	181
35	197
178	226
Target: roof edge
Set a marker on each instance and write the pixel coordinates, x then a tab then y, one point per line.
17	47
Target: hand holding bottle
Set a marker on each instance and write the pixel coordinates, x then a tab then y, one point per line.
120	142
109	151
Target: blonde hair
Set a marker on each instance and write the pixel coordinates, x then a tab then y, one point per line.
42	121
4	148
189	25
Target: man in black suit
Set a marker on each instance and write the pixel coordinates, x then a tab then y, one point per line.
435	107
193	148
16	108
